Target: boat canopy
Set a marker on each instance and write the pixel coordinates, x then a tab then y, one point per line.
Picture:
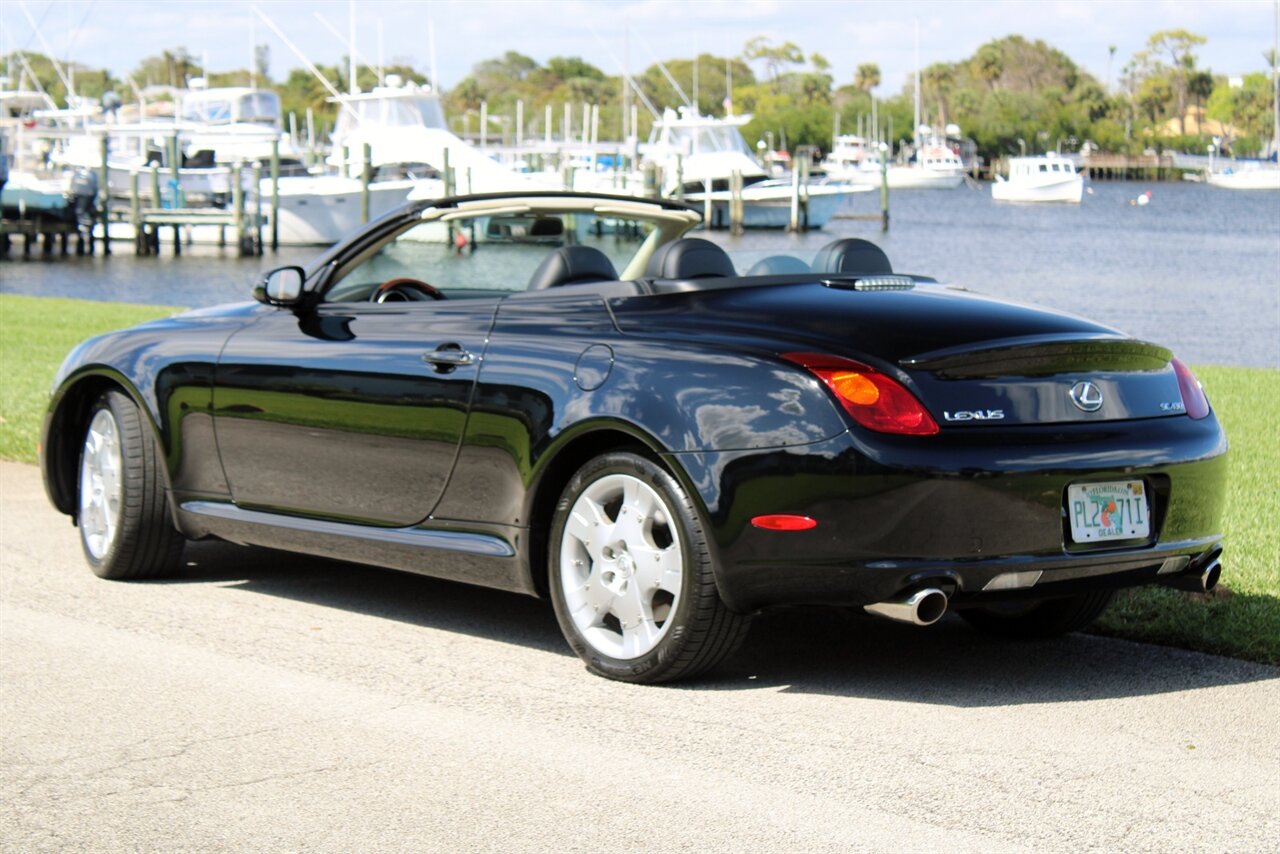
231	106
389	107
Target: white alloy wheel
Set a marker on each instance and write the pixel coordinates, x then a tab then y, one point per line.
621	566
101	484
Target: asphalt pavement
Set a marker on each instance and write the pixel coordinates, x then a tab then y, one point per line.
267	702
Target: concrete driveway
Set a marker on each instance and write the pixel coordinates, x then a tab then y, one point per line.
269	702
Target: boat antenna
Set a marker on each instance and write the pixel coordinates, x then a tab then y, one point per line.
331	28
315	72
695	73
915	128
728	86
431	37
382	71
253	53
35	81
662	66
627	133
53	60
351	60
629	79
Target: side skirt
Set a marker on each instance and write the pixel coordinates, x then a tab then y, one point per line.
489	559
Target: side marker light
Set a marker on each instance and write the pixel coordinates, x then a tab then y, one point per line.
784	522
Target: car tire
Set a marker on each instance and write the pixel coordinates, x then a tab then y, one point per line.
123	516
631	575
1044	619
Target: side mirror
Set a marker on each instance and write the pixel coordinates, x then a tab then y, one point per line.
281	287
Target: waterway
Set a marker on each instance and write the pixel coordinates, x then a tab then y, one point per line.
1196	269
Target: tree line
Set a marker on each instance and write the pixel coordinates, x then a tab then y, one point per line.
1012	95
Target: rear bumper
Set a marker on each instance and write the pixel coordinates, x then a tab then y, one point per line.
955	511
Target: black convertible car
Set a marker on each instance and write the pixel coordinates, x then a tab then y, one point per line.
561	395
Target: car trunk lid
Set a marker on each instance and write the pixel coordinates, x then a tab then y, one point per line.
1046	379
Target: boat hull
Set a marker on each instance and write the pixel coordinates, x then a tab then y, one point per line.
1068	192
770	206
1248	179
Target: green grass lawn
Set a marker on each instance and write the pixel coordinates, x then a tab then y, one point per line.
36	333
1241	618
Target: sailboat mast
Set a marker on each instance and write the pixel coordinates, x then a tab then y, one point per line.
351	59
915	128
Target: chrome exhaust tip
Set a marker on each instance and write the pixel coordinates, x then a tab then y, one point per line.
1197	582
922	608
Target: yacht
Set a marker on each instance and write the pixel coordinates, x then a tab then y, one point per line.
1254	176
933	167
698	154
409	145
216	128
1039	179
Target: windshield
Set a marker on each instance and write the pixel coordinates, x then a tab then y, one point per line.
485	256
705	139
389	112
225	107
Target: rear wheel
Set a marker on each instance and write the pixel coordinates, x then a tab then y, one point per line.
1042	619
123	516
631	575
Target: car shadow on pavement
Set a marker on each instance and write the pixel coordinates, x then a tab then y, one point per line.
827	651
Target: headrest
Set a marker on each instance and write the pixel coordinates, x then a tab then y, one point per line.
852	255
690	258
569	265
778	265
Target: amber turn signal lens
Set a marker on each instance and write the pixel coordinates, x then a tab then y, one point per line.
855	388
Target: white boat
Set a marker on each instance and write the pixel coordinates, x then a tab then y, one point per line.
216	128
848	153
1250	177
767	204
409	146
1039	179
934	167
699	153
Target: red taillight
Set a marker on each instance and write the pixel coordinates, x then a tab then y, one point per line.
875	400
784	522
1193	397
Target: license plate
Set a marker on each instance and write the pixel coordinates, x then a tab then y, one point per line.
1114	510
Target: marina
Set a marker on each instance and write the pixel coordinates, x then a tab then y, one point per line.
1195	268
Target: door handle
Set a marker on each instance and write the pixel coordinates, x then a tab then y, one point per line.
448	357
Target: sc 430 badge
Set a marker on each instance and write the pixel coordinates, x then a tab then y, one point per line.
974	415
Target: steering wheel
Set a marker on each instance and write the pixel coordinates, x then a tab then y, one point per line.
405	289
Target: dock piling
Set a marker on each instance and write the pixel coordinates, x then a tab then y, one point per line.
366	175
736	208
237	205
884	188
275	190
794	223
257	207
104	196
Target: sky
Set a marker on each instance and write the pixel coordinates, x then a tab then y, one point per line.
118	34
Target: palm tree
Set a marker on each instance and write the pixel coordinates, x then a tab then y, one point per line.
867	77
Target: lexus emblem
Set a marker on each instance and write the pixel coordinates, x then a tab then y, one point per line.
1086	396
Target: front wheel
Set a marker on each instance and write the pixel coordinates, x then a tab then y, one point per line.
631	575
123	516
1040	619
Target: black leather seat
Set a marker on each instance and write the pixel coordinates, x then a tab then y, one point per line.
690	258
571	265
852	255
778	265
